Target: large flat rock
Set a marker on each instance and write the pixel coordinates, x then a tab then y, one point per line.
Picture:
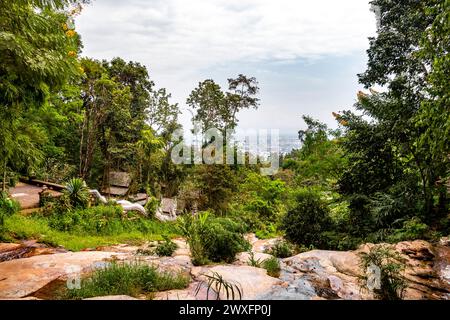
22	277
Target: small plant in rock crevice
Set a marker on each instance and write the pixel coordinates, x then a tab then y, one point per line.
272	265
252	261
166	248
383	272
218	285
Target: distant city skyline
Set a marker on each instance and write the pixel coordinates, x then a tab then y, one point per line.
305	55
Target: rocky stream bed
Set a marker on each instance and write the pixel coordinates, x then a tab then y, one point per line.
30	270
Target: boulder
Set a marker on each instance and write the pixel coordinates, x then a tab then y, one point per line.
190	293
336	274
252	282
321	273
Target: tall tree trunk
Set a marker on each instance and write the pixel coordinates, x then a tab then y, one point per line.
80	170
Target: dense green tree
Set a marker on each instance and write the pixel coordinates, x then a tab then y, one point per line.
241	95
136	77
208	101
161	114
37	56
149	152
217	109
433	119
98	95
320	158
389	147
307	220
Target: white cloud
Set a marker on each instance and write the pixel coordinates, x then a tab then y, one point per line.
179	36
180	41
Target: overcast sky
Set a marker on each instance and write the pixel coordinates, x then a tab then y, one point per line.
304	53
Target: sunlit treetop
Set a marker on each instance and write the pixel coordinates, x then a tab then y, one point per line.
38	49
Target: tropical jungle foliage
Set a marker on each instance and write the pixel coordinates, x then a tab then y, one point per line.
382	176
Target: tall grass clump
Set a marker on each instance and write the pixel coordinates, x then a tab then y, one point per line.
219	286
126	279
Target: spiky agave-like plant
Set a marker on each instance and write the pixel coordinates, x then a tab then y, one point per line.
77	193
216	283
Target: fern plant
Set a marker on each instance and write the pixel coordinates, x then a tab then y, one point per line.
390	265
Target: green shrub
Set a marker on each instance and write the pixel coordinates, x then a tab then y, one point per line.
360	222
412	229
145	252
192	229
282	249
152	205
391	283
126	279
259	202
272	265
388	208
267	231
166	248
8	207
343	241
106	220
305	223
212	239
223	239
101	220
46	199
302	248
